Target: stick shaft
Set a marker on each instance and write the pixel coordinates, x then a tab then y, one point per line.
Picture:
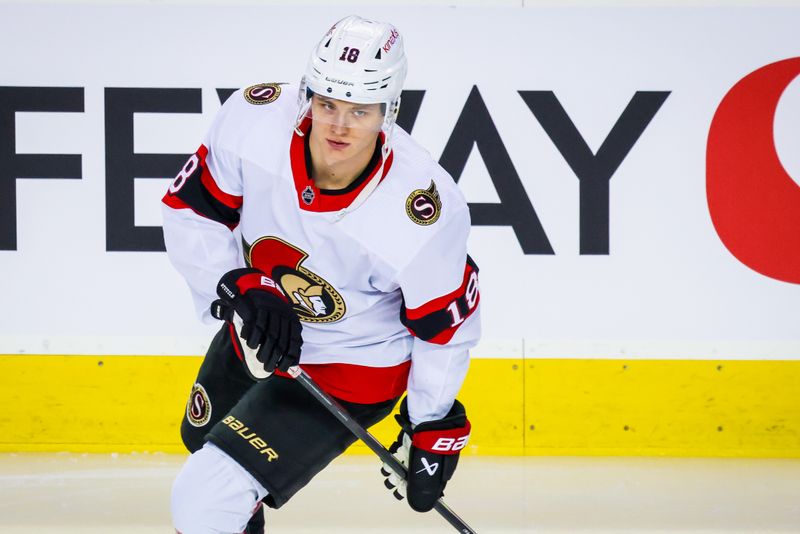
376	446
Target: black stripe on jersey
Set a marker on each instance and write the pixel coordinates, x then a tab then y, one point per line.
438	320
194	194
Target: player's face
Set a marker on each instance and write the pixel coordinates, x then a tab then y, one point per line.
342	129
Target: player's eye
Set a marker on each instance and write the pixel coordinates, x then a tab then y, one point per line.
360	113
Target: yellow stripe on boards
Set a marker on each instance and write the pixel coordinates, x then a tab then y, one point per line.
543	407
663	407
94	403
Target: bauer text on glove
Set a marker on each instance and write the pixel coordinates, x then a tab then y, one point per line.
429	451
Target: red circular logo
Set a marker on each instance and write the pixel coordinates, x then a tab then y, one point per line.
753	202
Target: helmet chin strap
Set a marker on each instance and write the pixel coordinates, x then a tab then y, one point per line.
370	186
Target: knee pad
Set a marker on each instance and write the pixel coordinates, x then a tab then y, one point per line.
213	494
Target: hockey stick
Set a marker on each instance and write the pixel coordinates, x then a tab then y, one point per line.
252	364
376	446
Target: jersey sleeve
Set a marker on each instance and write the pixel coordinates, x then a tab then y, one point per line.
441	310
196	187
200	211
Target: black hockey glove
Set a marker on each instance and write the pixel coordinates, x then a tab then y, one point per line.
429	452
263	318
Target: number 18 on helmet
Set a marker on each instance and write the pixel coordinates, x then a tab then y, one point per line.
358	61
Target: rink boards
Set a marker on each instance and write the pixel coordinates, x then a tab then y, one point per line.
731	408
633	181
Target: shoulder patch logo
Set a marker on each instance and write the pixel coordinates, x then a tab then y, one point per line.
424	206
263	93
198	409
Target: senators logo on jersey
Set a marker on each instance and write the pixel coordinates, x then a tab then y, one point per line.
424	206
314	299
263	93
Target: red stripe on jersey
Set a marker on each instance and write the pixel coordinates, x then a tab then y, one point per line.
359	383
232	201
322	202
442	441
236	342
195	188
442	302
437	320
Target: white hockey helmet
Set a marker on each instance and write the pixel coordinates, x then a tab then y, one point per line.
360	61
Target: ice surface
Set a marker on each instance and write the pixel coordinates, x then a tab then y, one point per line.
129	493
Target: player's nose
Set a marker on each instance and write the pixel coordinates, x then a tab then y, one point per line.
339	123
338	129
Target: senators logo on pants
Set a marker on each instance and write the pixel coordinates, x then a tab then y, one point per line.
314	299
198	409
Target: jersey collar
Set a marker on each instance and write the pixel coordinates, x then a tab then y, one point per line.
312	198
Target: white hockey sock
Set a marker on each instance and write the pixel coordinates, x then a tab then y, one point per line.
213	494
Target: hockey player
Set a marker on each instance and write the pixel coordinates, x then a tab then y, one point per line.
309	221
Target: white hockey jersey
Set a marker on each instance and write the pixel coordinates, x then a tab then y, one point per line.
381	280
